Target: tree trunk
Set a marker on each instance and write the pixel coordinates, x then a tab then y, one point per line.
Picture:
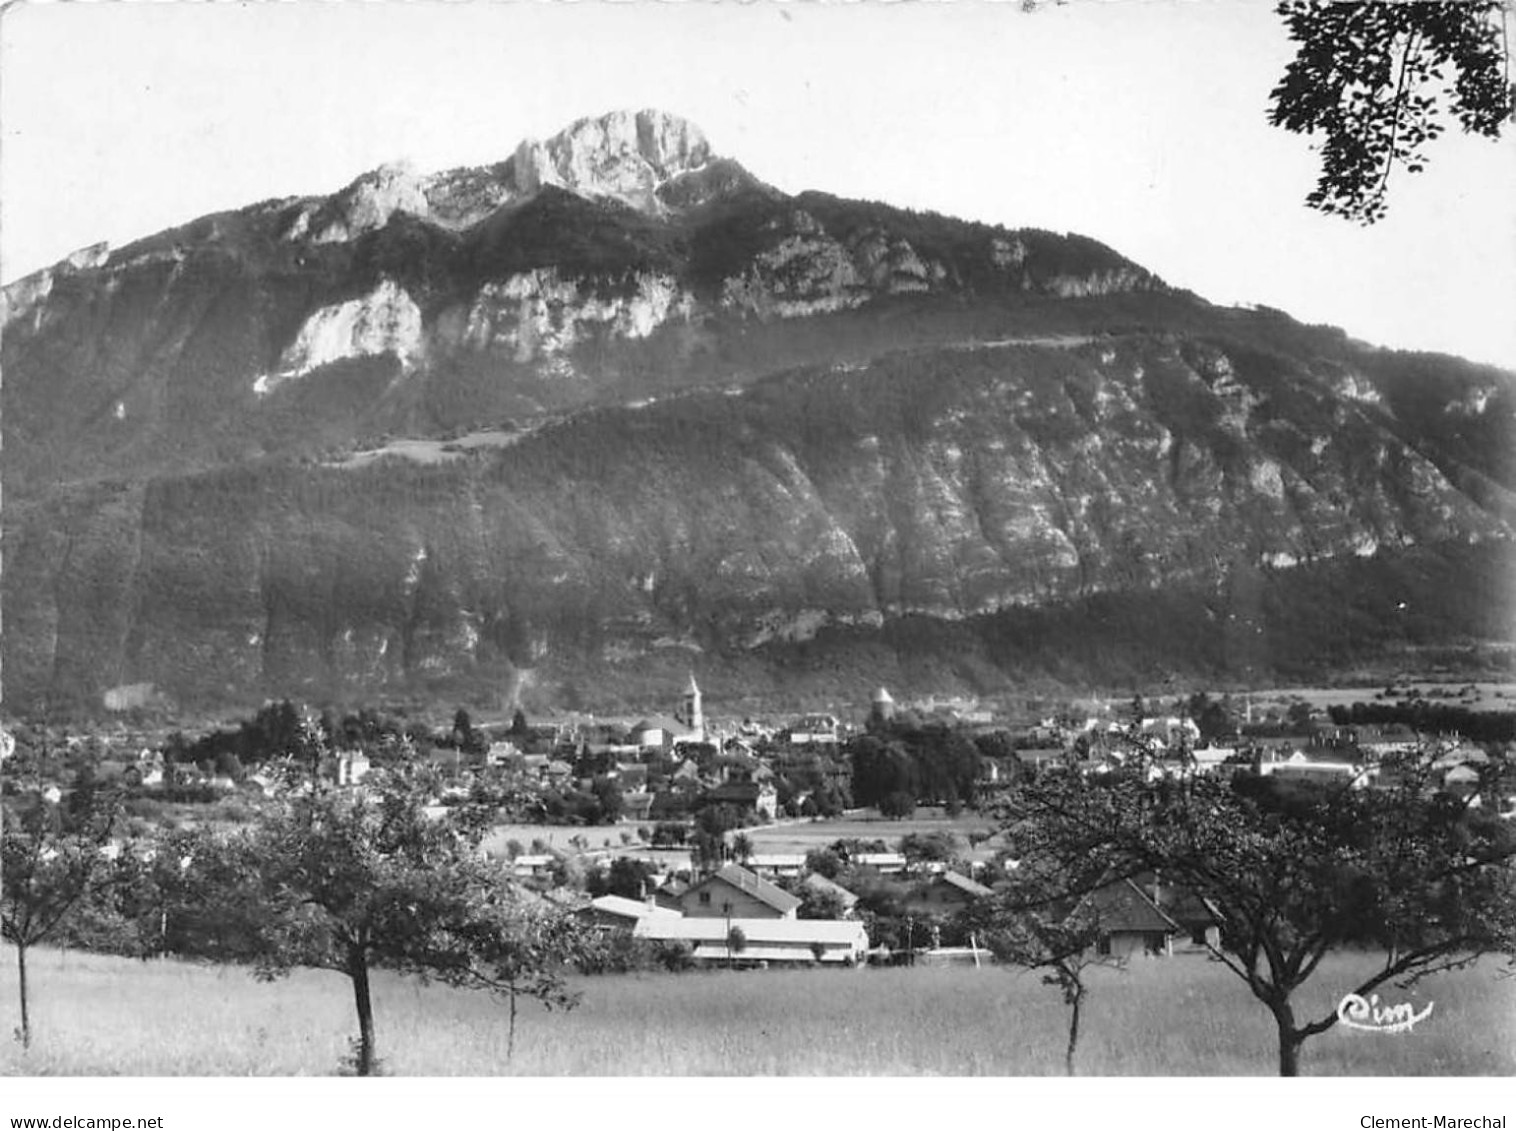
1289	1040
1068	1057
357	970
26	1022
510	1033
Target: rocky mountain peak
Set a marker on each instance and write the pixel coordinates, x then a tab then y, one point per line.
368	203
625	155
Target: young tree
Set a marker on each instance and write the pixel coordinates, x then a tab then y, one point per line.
742	848
51	863
463	730
736	943
1292	875
519	949
1033	923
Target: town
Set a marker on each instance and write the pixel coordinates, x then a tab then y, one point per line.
701	840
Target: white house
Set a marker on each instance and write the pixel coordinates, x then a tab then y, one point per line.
777	863
1297	768
840	942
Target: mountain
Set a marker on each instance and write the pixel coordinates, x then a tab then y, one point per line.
613	407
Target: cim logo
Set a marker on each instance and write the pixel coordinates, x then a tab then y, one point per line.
1369	1016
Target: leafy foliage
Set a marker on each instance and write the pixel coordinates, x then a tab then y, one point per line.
903	764
819	903
1373	79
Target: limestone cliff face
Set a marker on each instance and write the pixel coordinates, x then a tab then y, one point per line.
541	315
507	278
806	271
24	298
384	321
1107	282
625	156
367	205
637	158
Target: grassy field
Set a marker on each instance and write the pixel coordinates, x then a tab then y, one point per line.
1179	1016
803	836
558	836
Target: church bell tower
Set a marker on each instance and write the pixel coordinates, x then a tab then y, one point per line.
694	716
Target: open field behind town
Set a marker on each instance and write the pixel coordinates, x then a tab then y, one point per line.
786	836
803	836
1182	1016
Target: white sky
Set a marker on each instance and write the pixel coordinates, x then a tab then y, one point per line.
1139	122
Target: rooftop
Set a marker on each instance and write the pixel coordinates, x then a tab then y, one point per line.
755	886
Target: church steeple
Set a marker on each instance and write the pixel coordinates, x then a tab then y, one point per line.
694	716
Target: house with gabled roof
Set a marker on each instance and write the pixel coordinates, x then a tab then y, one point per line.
1198	917
885	863
748	796
819	884
734	892
946	893
1131	923
617	913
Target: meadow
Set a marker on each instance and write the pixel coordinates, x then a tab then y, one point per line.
100	1016
804	836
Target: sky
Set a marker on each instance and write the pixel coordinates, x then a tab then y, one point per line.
1141	123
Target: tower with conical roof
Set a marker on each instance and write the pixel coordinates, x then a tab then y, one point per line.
881	707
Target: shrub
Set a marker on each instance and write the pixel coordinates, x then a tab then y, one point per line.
617	953
674	955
